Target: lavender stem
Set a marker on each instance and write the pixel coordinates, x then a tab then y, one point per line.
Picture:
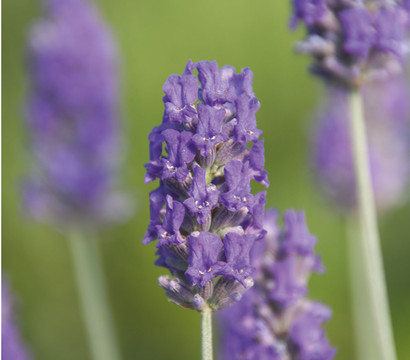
364	327
206	333
93	295
369	235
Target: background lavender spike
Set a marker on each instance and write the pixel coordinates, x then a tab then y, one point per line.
203	213
72	117
387	118
354	42
73	124
275	320
12	346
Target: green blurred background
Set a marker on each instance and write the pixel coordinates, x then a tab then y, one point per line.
156	38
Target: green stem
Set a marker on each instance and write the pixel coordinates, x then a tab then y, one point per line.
206	332
369	235
93	296
364	328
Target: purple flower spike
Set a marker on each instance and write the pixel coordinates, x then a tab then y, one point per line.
354	42
237	252
72	118
203	198
168	231
203	259
238	194
181	92
274	319
12	346
179	154
209	131
211	219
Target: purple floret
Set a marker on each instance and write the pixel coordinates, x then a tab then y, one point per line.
288	287
238	194
209	130
257	163
309	336
156	202
237	252
390	25
203	259
154	167
220	86
297	239
359	31
216	84
203	198
168	232
309	11
180	154
245	130
181	93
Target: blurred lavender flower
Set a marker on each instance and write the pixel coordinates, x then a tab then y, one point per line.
203	213
12	347
275	320
386	111
354	41
72	117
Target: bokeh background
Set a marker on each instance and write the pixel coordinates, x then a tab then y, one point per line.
156	38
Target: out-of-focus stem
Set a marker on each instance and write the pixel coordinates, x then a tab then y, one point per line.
93	295
206	333
369	235
364	328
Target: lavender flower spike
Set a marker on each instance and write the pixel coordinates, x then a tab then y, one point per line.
203	213
388	135
275	320
12	347
74	126
357	44
354	42
72	117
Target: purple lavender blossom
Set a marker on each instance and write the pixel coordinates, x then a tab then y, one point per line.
203	261
211	220
354	42
72	117
12	346
275	320
203	198
387	130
